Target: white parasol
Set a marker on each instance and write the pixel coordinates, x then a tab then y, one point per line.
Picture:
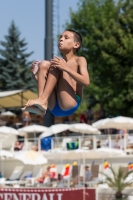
8	114
4	153
32	129
54	129
115	122
121	123
83	128
8	130
30	157
79	154
101	124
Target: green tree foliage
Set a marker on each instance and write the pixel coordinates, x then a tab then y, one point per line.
107	30
14	65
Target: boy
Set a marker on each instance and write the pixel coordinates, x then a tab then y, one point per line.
61	81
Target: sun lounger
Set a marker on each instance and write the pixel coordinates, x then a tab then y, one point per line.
15	176
37	172
95	174
26	174
18	170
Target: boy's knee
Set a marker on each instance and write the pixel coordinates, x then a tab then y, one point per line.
44	65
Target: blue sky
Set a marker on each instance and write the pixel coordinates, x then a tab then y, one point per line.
28	16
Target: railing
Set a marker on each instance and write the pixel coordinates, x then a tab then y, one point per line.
74	142
94	141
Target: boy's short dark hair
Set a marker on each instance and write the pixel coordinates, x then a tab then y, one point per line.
77	38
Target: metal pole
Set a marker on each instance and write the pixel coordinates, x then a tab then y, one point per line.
48	29
48	118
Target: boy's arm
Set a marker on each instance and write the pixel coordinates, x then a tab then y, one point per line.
83	77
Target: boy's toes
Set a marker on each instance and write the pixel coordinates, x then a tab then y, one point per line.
23	108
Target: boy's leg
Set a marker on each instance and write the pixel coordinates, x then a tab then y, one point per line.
44	67
65	92
41	78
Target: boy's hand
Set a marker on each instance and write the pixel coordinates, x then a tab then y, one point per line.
34	67
59	63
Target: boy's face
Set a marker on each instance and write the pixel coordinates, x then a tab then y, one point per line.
66	41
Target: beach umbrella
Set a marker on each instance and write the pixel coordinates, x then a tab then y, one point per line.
34	128
83	128
15	98
54	129
8	114
30	157
109	152
115	122
8	130
120	123
64	155
79	154
103	153
4	153
101	124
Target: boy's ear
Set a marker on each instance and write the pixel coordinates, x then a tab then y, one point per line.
76	45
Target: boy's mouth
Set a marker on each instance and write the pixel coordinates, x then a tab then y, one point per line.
60	43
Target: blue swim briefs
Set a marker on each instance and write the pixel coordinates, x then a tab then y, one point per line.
58	112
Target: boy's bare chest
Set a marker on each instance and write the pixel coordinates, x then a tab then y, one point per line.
73	65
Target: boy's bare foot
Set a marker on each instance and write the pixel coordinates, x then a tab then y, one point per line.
34	67
34	109
40	103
